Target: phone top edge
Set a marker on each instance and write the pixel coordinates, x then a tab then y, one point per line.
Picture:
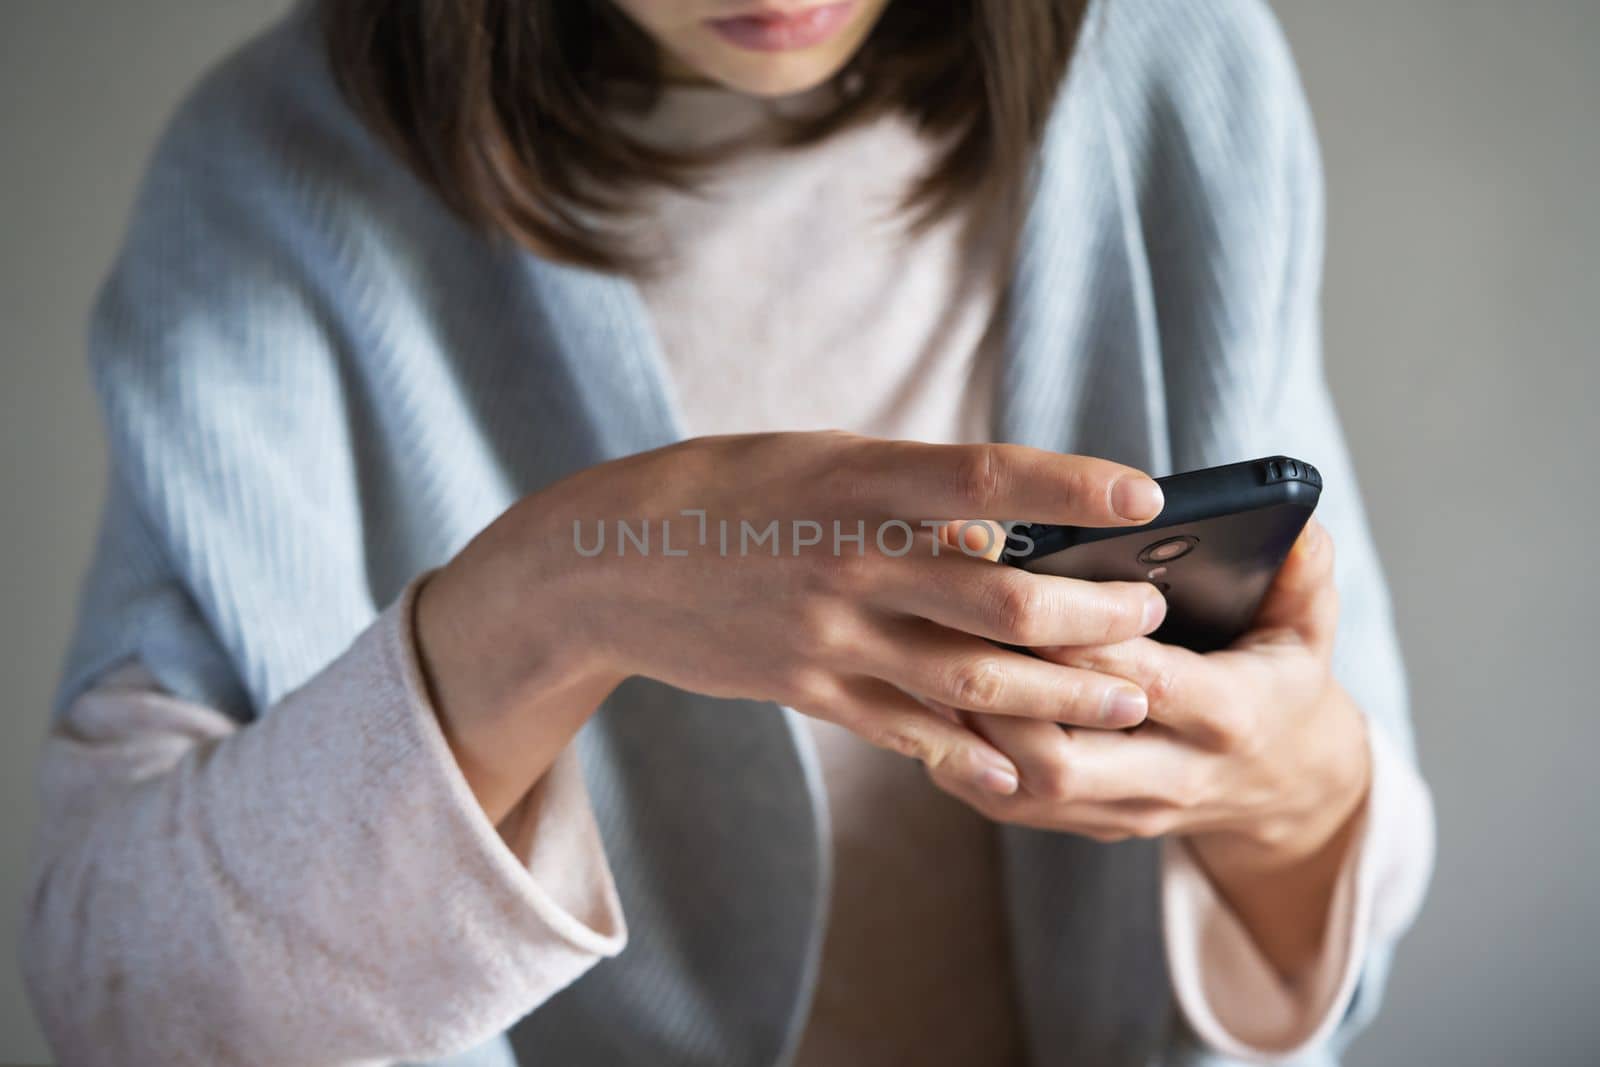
1194	496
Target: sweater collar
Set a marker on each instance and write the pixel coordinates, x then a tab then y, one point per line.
1066	341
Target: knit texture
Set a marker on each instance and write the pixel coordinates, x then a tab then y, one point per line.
351	901
317	383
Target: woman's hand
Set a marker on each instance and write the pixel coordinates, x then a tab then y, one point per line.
525	632
1254	754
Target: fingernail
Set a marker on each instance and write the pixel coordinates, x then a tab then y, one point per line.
1125	707
1000	783
1136	497
1155	612
996	777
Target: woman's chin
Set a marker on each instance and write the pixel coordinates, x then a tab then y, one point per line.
768	76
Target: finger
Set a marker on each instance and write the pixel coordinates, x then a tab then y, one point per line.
1107	821
1180	685
945	667
1038	749
1003	482
1148	765
1012	606
1078	767
1001	809
888	718
1303	598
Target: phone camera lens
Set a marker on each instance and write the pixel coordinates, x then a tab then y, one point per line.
1167	551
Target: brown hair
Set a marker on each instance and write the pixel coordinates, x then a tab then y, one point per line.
506	108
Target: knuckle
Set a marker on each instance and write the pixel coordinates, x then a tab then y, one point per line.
898	736
1058	783
977	684
1019	610
846	574
1106	835
812	690
1161	688
979	478
825	632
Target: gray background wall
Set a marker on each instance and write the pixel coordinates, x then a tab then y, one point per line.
1463	157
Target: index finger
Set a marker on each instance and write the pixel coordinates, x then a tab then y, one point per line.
994	481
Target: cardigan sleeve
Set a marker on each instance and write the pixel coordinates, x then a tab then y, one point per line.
1299	416
1231	995
1291	411
1229	193
316	887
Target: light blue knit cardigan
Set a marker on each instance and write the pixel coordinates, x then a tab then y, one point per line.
316	383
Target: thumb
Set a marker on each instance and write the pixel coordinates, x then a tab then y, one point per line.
1303	598
975	537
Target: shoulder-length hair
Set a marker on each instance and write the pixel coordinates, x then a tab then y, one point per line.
508	109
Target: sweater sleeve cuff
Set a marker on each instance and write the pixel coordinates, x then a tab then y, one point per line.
1232	997
547	857
320	885
461	934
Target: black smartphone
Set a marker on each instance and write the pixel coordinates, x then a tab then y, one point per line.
1213	551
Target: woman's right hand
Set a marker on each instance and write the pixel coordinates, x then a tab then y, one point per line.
523	634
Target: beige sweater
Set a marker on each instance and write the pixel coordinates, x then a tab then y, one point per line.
415	930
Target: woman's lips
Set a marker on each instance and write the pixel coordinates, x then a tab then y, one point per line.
781	31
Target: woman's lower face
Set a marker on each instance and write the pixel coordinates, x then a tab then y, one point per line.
764	48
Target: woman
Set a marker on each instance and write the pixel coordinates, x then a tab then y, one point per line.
368	748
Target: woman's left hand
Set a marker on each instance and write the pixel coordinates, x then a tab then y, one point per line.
1253	754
